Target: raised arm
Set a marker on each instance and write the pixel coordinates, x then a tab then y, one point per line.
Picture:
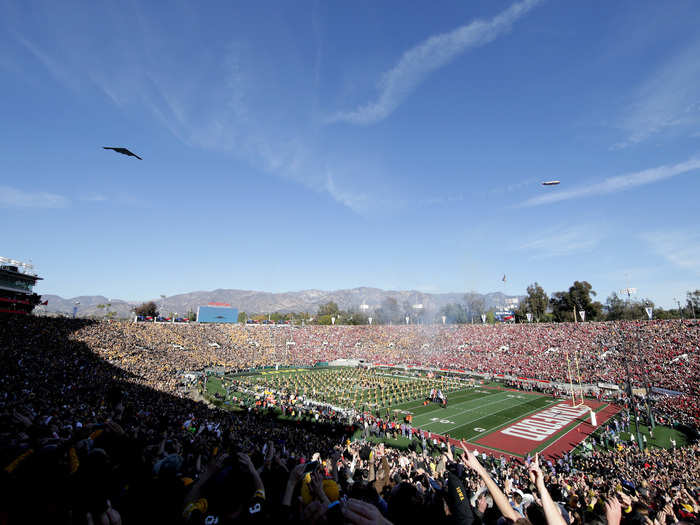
551	509
496	493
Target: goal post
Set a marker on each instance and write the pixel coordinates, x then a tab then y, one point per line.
578	374
572	379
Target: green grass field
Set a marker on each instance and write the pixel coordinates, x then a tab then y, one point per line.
471	411
214	386
474	412
662	437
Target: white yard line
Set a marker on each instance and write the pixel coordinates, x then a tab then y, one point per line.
447	413
476	408
480	417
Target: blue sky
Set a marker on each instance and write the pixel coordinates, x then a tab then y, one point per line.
401	145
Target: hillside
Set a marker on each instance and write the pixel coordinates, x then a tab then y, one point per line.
266	302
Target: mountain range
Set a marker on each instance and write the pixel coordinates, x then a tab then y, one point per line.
255	302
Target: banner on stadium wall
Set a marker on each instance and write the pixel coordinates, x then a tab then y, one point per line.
608	386
504	316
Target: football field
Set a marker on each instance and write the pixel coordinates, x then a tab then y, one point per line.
510	422
489	417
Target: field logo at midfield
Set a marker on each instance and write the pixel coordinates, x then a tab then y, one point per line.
542	425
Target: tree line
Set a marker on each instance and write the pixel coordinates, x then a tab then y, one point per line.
561	306
566	306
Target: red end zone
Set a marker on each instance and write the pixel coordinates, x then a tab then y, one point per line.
535	430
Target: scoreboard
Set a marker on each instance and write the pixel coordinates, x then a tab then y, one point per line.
217	314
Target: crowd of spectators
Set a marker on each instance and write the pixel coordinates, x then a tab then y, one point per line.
662	354
96	429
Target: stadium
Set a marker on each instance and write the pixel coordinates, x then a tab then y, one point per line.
352	400
363	263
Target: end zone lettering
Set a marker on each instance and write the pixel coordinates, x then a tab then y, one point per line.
542	425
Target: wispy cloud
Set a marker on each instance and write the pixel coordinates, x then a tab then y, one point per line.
561	242
219	107
228	100
358	202
93	197
669	99
16	198
61	73
432	54
680	248
615	184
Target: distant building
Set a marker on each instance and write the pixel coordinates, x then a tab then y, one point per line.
217	313
17	287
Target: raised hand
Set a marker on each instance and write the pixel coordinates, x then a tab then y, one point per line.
316	486
535	472
448	452
297	473
613	511
244	460
470	460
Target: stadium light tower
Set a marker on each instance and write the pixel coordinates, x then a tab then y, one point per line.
75	308
650	415
162	305
625	352
628	292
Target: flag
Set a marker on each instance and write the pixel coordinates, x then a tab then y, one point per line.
504	278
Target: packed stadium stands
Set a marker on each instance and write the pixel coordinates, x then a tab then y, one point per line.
98	429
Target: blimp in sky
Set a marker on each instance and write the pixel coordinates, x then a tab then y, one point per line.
550	183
